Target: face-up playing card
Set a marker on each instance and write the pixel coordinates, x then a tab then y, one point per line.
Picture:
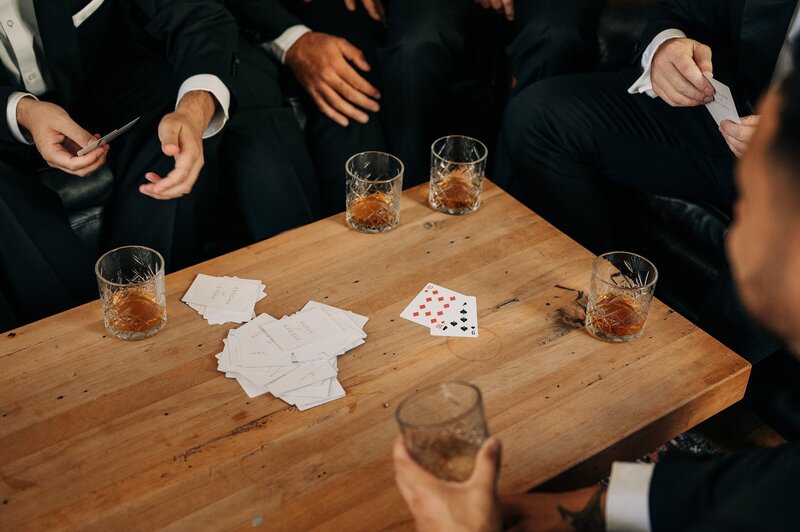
723	107
461	320
429	306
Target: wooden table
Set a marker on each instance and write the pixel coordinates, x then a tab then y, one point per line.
105	434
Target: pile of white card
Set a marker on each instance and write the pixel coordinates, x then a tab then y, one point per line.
293	358
444	312
224	299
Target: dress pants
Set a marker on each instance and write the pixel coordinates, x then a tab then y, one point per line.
329	143
568	144
426	42
44	267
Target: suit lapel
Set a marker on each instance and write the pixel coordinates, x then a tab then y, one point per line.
764	26
61	46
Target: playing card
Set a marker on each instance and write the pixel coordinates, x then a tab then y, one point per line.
461	320
430	305
223	293
359	320
723	107
102	141
336	392
302	329
304	374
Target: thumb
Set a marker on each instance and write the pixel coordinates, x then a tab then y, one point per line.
702	58
750	120
487	463
168	132
70	129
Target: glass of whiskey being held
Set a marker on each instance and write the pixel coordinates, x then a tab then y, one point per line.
374	185
131	284
443	427
458	167
620	293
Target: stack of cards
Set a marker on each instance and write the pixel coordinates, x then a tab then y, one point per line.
444	312
224	299
293	358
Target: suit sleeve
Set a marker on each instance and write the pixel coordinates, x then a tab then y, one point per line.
200	37
268	18
706	21
5	131
756	490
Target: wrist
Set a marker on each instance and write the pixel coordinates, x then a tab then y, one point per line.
199	107
291	52
24	108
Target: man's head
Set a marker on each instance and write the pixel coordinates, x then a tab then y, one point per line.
764	240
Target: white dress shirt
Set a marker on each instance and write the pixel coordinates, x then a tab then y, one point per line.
628	497
281	45
21	54
644	84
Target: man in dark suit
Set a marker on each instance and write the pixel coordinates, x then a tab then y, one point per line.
568	144
330	48
73	68
427	41
756	490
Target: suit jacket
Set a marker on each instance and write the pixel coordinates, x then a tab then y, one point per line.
745	37
267	18
194	36
757	490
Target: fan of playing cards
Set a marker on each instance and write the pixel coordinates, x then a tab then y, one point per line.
444	312
293	358
224	299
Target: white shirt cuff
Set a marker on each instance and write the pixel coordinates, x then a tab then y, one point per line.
11	116
214	85
281	45
628	497
644	84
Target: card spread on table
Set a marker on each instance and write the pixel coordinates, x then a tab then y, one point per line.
723	107
293	358
444	311
224	299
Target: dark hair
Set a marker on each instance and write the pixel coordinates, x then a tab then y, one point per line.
786	144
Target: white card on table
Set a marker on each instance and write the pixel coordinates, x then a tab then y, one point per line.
303	375
222	293
723	107
302	329
460	321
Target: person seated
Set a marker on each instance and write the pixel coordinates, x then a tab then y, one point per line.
330	48
426	43
567	143
73	69
754	490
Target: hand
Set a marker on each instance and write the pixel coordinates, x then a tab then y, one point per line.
321	64
738	135
58	137
181	136
582	509
678	71
501	6
438	505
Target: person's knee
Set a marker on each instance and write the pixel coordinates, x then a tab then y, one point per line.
427	42
529	122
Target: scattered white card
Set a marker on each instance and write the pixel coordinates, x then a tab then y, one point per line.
294	358
224	299
723	107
